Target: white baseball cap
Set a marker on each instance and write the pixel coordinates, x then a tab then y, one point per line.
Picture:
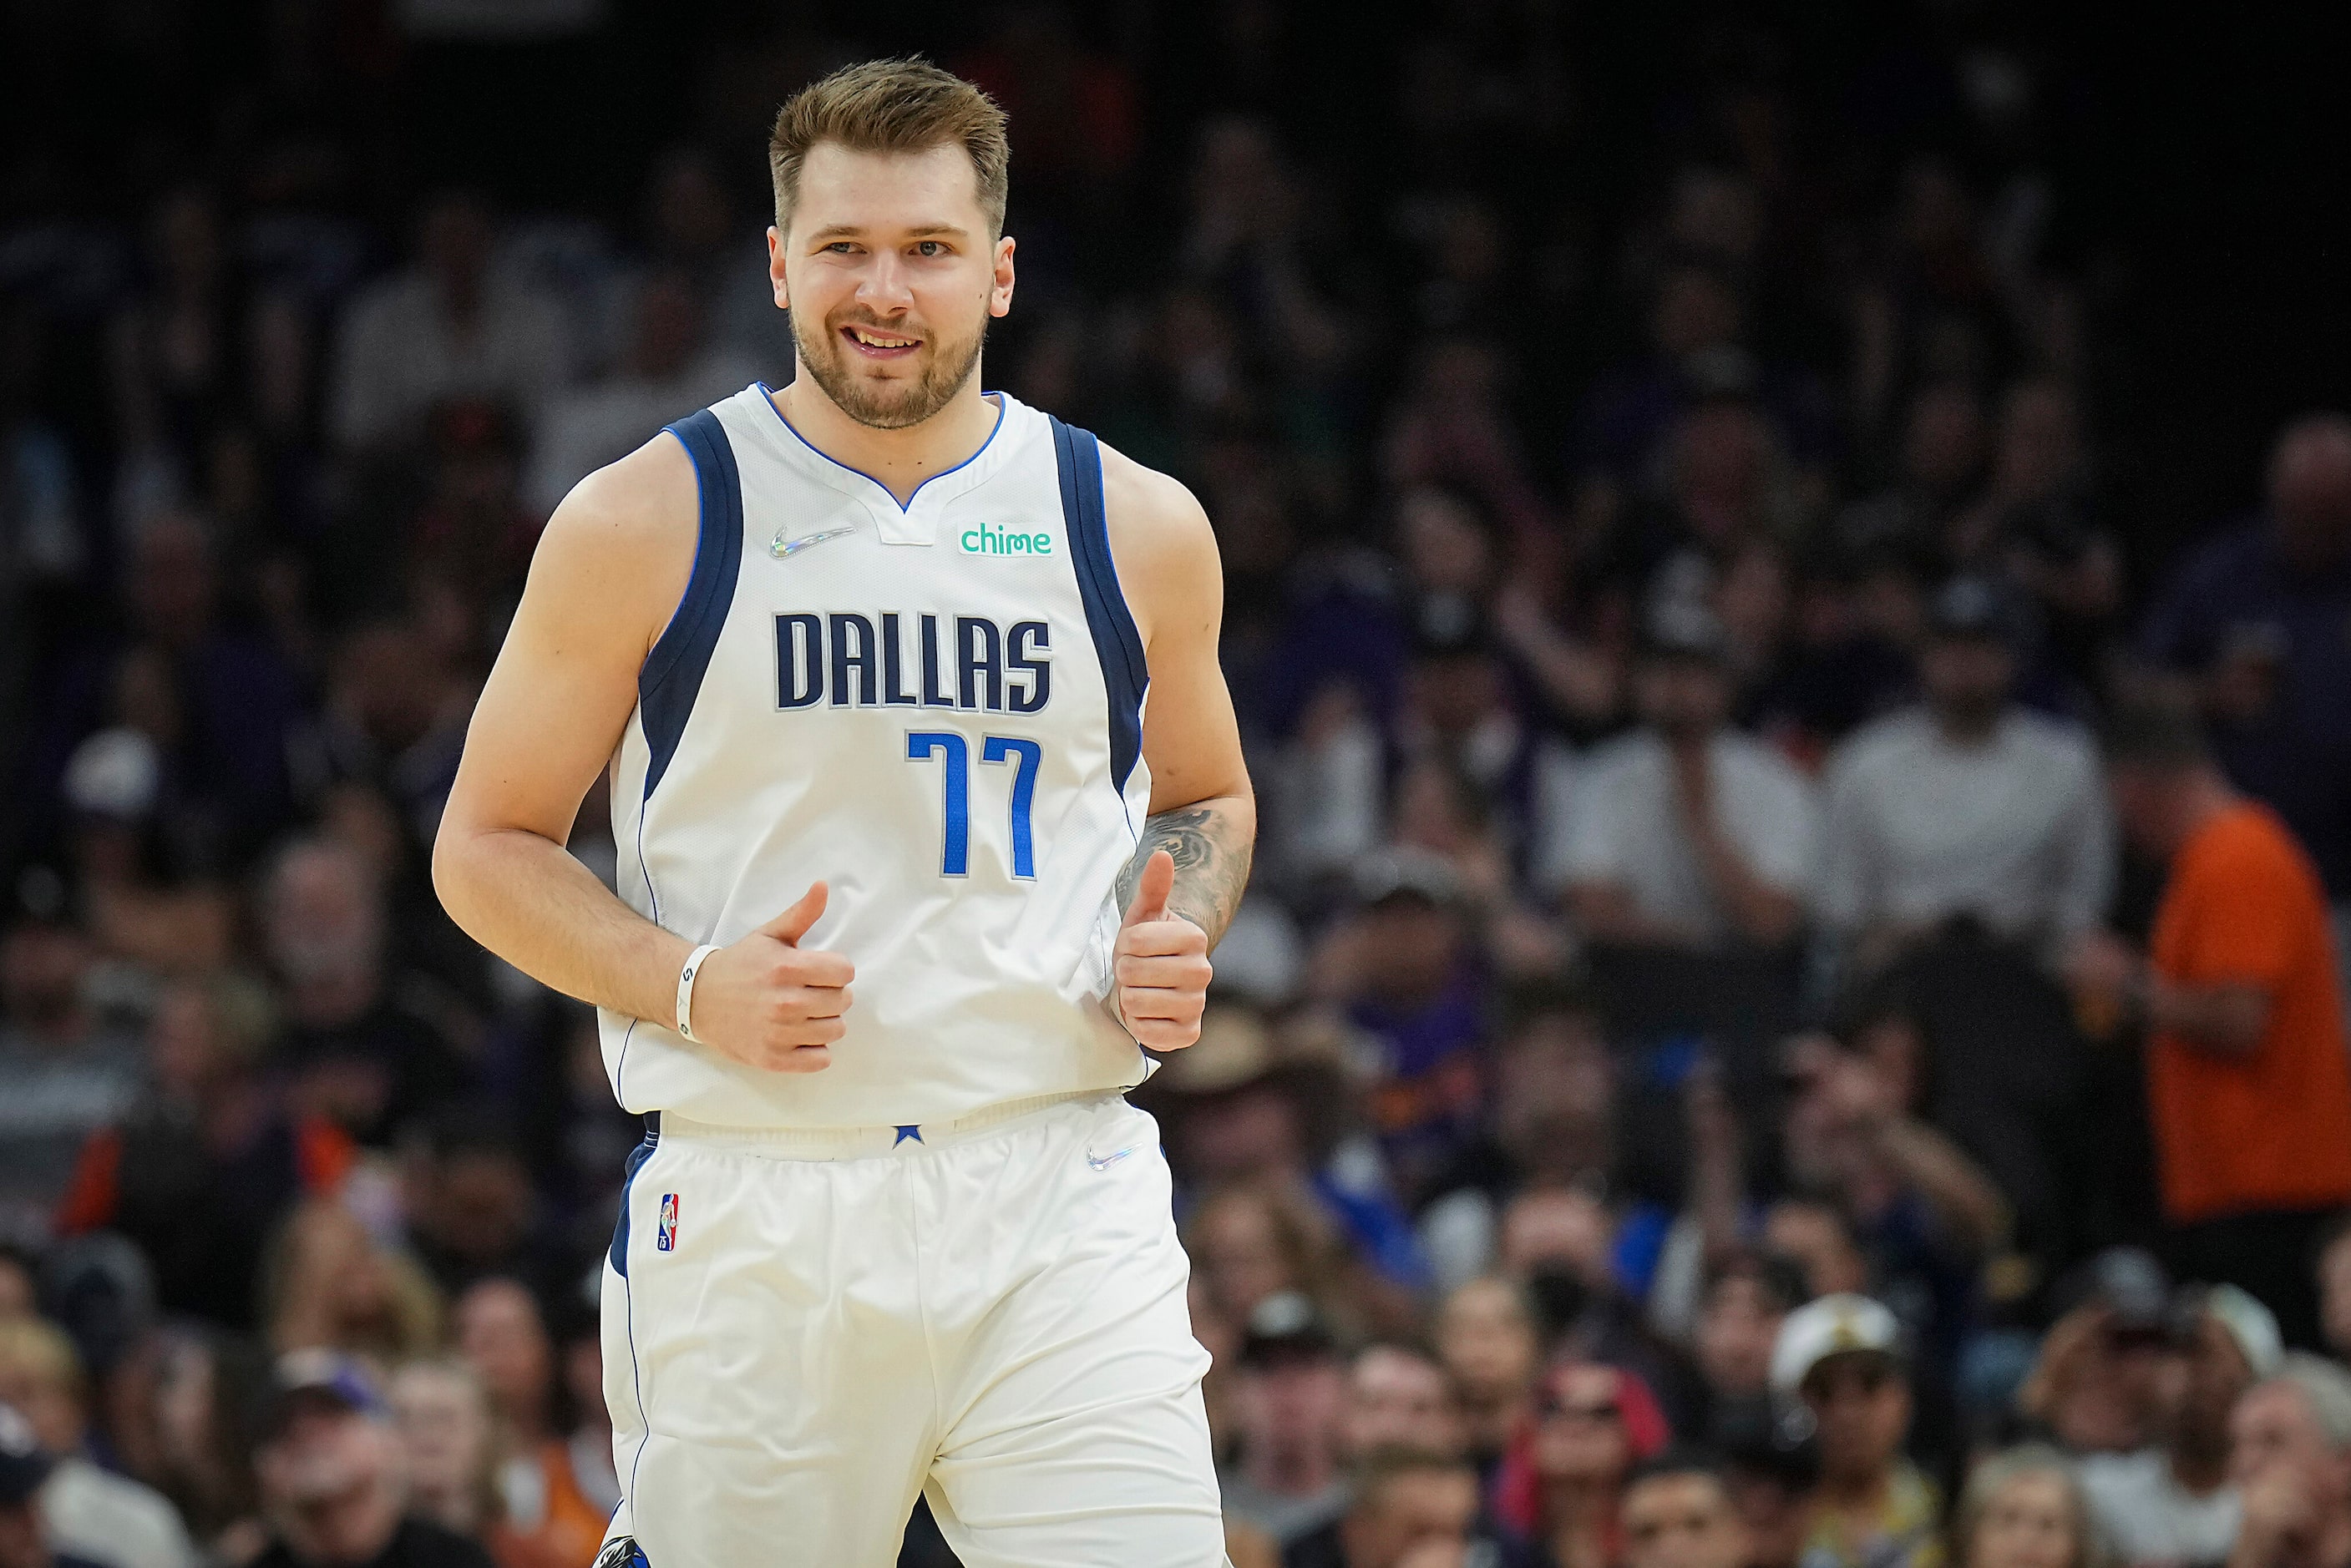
1828	1326
2252	1325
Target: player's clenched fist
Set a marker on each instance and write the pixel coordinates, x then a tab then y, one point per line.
1161	964
769	1002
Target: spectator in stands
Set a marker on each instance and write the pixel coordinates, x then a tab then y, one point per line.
1969	808
1816	1237
1553	1122
2249	1082
1405	971
1923	1215
1251	1242
448	326
64	1071
45	540
2096	1386
1288	1403
358	1054
1841	1354
1940	462
2255	619
1398	1396
1748	1295
2174	1504
546	1518
2335	1288
442	1417
1561	1483
1678	1513
2025	1509
24	1468
694	228
579	1342
206	1167
1688	834
1772	1466
331	1476
472	1210
2290	1456
1251	1104
1487	1338
1406	1508
669	371
89	1511
2039	521
325	1283
202	351
201	1456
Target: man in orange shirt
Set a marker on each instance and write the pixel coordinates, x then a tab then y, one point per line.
2249	1087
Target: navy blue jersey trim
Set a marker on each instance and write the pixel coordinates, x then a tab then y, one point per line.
672	676
1125	674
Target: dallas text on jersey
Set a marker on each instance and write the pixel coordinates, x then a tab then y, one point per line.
888	660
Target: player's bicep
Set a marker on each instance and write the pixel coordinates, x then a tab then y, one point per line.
606	576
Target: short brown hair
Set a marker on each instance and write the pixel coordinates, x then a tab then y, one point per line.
893	106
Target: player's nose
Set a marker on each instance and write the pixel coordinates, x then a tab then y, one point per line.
886	284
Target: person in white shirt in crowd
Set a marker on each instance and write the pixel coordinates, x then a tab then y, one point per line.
2173	1505
671	367
1686	833
447	326
90	1511
1968	805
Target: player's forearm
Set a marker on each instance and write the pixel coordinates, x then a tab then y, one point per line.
529	901
1211	841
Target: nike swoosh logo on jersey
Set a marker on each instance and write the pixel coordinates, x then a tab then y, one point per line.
781	547
1105	1161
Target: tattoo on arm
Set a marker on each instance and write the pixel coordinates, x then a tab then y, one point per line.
1211	852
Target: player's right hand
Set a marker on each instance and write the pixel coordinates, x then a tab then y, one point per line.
770	1003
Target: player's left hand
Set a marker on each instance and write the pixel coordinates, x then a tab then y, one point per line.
1160	964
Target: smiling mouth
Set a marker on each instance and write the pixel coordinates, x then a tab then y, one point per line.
875	344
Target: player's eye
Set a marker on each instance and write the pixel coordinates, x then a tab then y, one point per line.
841	248
929	248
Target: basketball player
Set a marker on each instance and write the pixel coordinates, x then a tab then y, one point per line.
908	870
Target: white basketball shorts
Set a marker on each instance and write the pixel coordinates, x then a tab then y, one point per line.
805	1329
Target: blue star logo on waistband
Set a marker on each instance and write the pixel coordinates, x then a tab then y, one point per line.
909	1131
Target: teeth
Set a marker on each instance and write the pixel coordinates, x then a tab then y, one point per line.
877	342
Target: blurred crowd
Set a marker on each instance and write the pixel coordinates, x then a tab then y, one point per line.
1789	1014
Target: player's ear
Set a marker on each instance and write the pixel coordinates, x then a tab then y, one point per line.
999	293
776	266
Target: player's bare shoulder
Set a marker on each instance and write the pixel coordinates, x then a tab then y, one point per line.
621	545
1163	544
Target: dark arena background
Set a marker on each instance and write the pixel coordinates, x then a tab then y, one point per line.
1658	450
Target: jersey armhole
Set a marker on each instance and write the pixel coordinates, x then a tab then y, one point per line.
1125	672
672	676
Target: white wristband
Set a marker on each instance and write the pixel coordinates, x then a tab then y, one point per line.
685	987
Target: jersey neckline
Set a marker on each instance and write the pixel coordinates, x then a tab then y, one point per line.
846	474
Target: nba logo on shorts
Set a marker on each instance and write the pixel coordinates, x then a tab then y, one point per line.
665	1238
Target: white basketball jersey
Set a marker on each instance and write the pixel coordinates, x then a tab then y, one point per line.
935	709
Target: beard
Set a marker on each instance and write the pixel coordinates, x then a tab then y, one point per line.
886	405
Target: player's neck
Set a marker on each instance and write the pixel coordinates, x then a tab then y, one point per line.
898	460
